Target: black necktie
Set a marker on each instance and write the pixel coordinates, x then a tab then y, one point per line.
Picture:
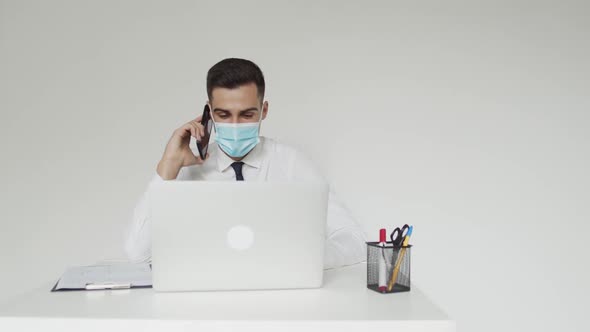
237	166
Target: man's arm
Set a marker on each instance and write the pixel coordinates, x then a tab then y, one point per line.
345	240
138	236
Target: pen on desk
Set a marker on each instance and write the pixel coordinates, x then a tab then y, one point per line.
400	258
382	263
108	286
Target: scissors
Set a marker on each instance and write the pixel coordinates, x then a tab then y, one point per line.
398	235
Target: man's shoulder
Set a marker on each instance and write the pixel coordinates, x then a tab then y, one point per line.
276	146
296	163
285	152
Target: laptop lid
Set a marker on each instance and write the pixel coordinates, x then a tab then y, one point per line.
237	235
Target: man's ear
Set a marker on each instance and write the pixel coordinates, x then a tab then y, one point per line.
264	109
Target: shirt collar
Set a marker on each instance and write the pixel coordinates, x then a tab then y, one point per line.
253	158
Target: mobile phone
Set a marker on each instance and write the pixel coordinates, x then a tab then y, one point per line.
203	143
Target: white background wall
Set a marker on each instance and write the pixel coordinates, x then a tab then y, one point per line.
468	119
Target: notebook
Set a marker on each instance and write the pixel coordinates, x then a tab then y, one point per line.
99	277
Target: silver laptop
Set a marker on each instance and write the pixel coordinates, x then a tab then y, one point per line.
237	235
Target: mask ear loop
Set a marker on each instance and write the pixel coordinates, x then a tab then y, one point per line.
211	117
260	120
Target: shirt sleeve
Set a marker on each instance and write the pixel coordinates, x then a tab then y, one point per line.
345	240
138	236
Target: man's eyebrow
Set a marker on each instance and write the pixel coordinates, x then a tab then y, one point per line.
242	111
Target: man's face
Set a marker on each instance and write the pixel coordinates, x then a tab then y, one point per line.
239	105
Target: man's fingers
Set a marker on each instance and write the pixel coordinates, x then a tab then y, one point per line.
199	127
192	130
196	130
183	131
196	160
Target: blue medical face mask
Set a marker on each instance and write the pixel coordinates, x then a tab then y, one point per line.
237	139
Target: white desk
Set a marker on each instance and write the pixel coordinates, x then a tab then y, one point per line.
343	304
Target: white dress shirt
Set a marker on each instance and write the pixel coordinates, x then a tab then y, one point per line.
268	161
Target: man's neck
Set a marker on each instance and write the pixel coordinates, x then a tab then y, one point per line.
236	158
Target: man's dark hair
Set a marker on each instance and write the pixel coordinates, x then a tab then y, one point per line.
232	72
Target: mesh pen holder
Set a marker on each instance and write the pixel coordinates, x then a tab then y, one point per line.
388	267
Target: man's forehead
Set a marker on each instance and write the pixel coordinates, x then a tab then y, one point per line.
243	94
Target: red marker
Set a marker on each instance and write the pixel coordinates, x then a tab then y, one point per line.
382	263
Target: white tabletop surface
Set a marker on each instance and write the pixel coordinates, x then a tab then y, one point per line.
344	303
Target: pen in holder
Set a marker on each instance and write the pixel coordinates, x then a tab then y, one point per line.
392	260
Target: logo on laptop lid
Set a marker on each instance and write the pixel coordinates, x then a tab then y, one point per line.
240	237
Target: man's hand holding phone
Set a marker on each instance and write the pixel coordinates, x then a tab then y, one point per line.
178	153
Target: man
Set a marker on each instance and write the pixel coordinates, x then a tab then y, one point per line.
235	88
